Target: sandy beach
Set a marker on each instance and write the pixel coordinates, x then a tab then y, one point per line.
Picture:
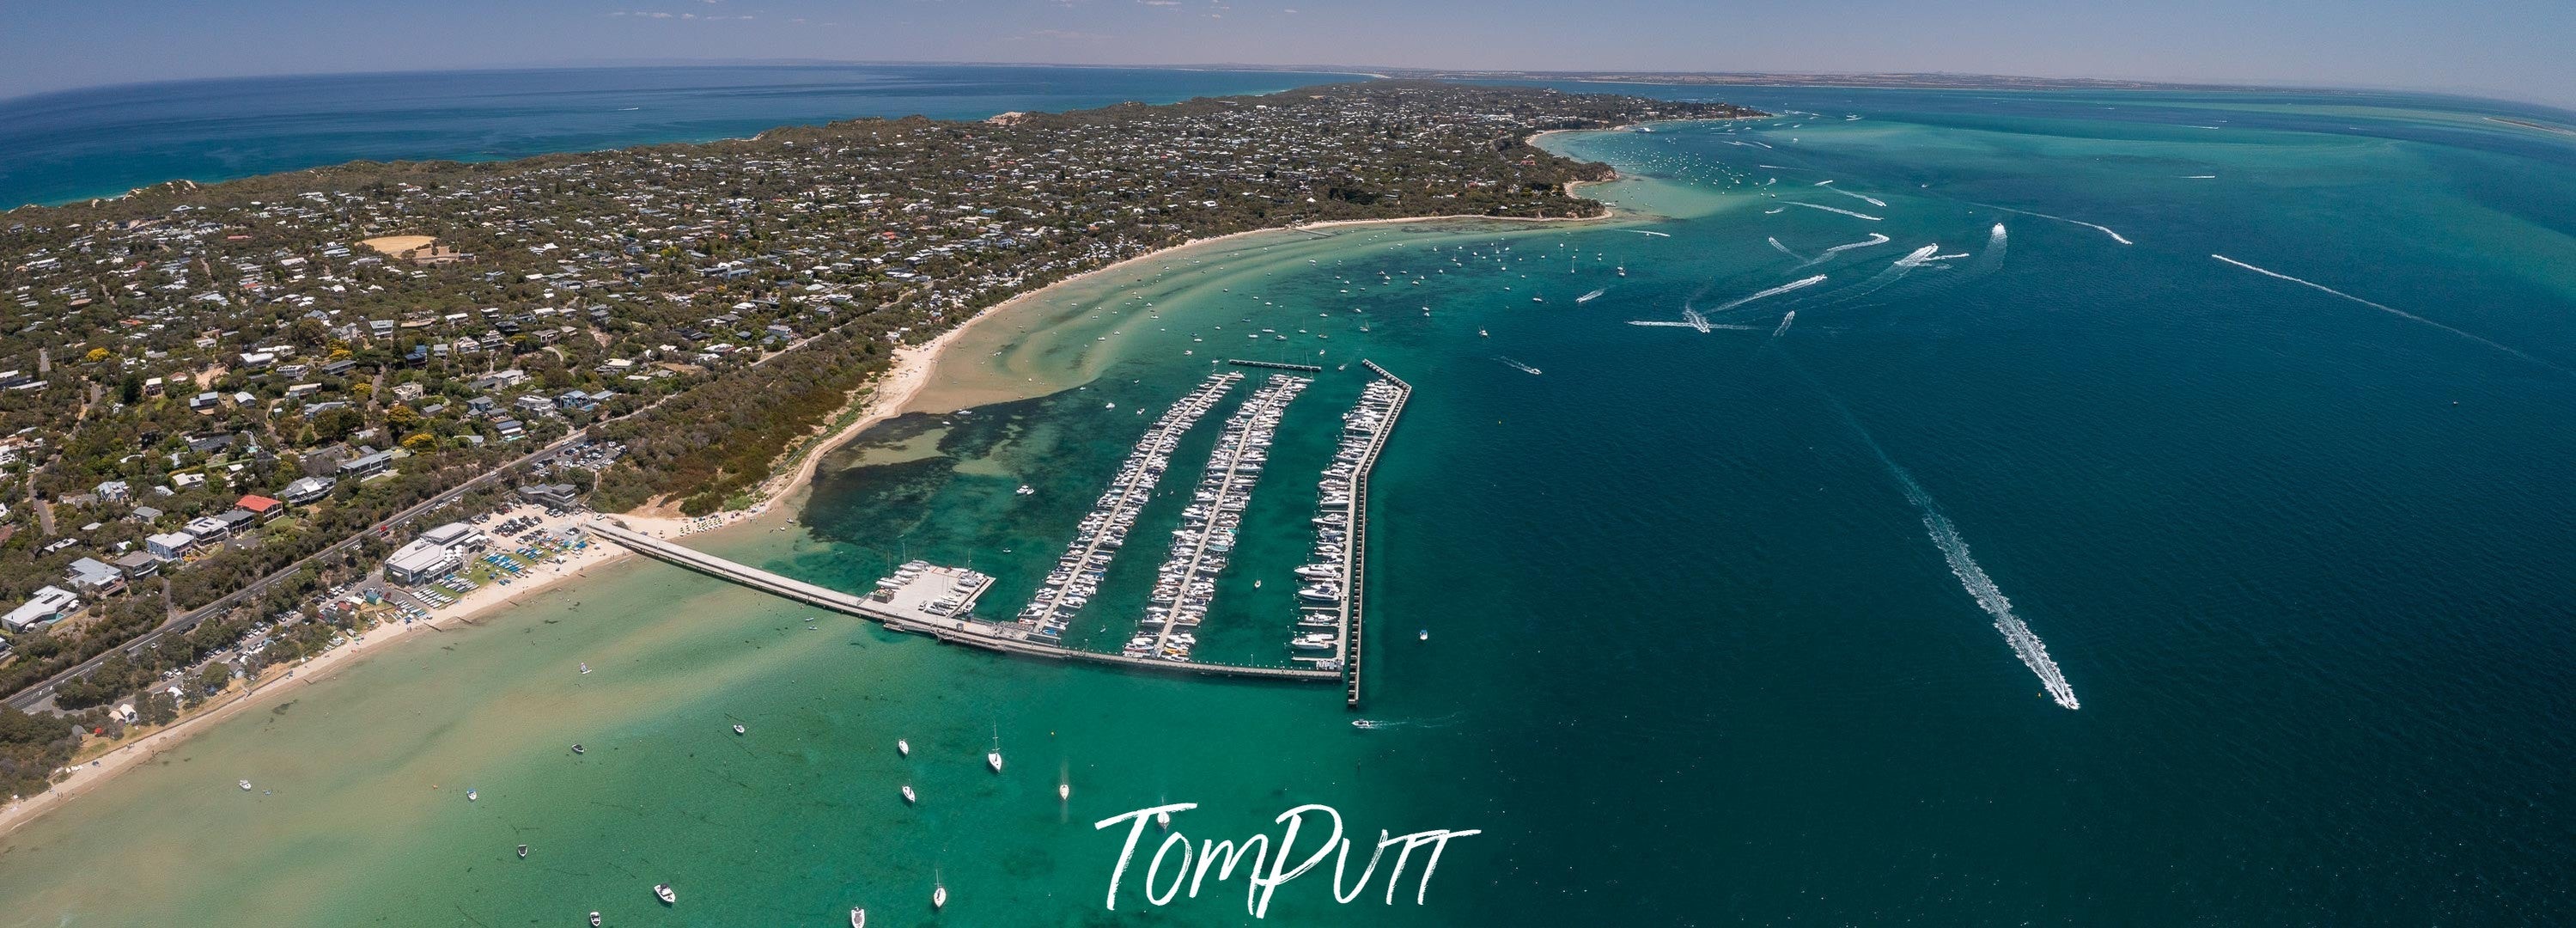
893	393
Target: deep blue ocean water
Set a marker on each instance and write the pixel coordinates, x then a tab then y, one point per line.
105	141
1712	618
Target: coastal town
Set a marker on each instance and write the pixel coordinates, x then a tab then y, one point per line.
248	422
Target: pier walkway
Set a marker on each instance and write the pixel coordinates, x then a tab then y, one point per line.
1008	639
1239	362
1355	564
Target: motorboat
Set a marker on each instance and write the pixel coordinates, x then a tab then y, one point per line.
663	892
245	785
471	795
523	852
576	749
594	920
858	917
1064	791
908	797
737	729
902	748
938	897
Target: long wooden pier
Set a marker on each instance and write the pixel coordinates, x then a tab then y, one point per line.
1355	567
1008	639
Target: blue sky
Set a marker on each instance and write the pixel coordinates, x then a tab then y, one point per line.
2509	48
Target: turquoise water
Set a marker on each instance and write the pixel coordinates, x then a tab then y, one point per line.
104	141
1712	617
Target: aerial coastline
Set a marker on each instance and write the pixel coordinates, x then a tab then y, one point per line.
905	386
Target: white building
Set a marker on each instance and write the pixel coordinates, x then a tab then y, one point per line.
49	604
421	561
171	546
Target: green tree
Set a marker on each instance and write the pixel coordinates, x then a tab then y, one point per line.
213	678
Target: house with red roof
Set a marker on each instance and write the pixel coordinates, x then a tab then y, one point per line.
261	506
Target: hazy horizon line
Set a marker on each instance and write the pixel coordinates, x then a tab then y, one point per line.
1364	71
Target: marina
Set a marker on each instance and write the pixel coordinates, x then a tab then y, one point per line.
1186	584
896	614
1077	574
1326	643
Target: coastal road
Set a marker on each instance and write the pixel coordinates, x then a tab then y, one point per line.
40	698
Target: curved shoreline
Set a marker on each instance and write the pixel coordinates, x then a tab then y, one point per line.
893	393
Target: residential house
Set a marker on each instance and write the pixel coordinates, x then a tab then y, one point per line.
51	603
307	490
170	546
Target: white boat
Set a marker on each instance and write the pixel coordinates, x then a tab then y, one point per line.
737	729
908	797
523	852
858	917
1163	819
585	668
663	892
1064	791
471	795
993	758
938	897
902	747
245	785
594	920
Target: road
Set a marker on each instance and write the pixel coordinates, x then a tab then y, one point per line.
40	698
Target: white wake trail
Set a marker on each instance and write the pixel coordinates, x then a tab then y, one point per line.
1873	201
1992	257
1830	209
1895	271
1874	239
1775	291
1945	536
1963	564
1784	249
2106	230
2402	314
